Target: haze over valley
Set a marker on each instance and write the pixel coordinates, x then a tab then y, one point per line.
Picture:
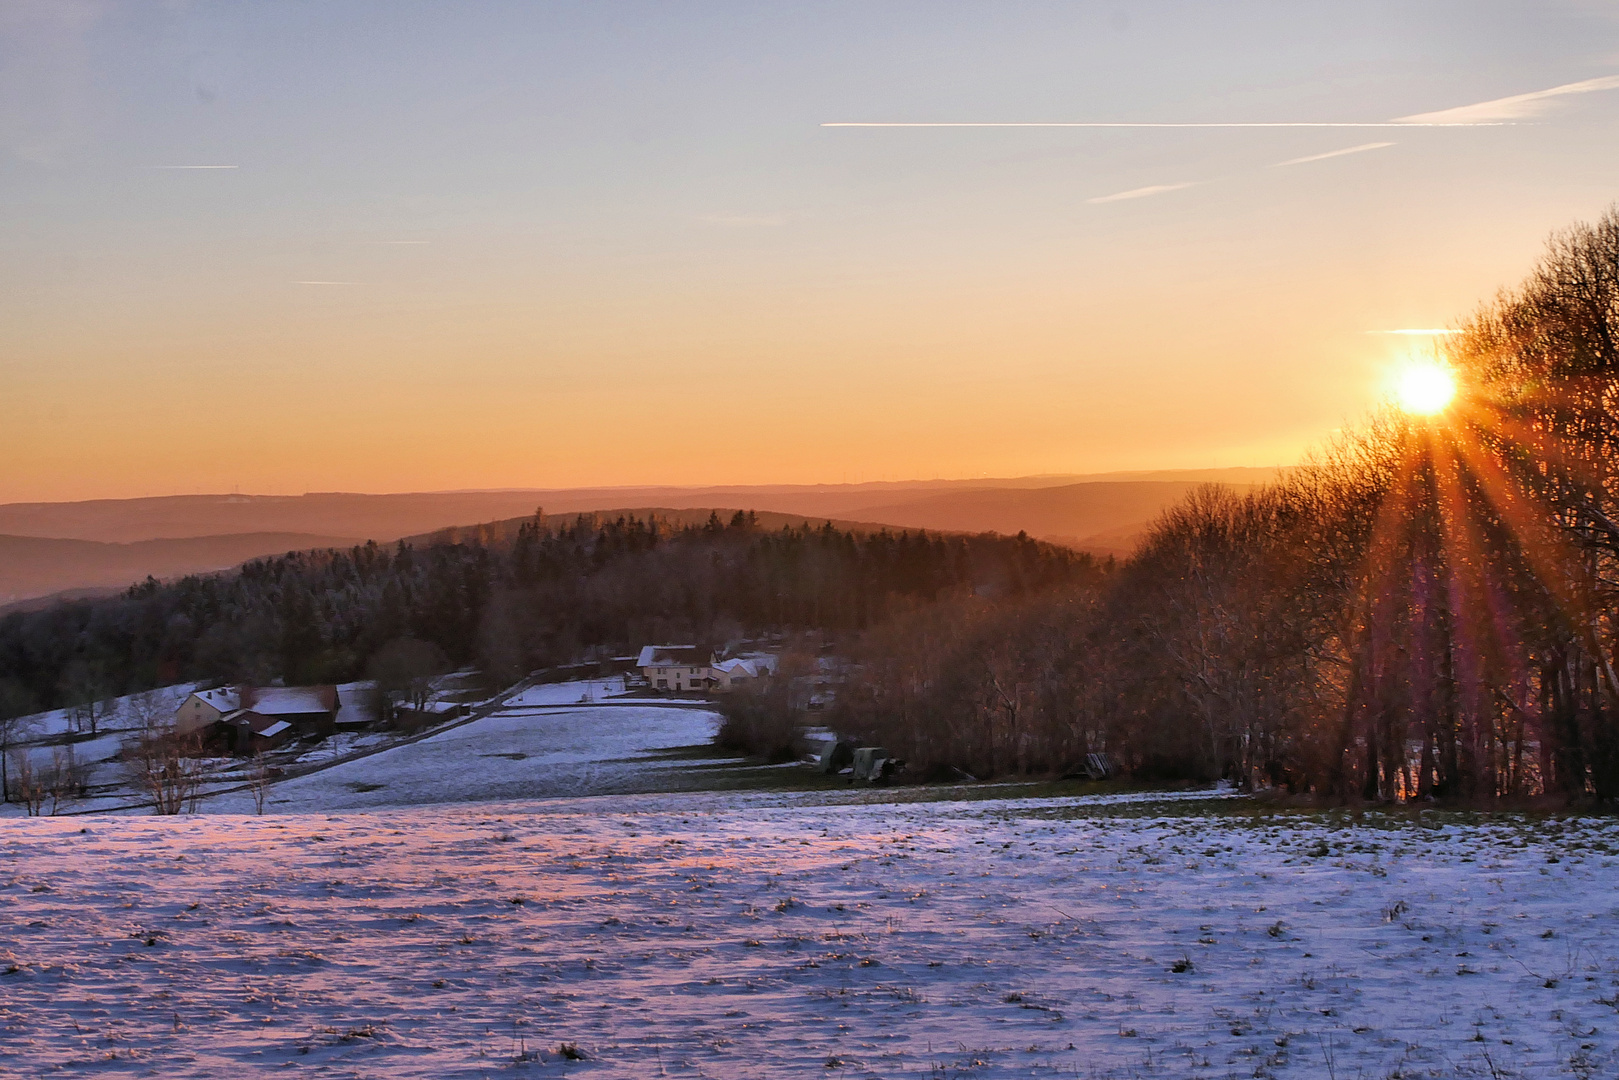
103	545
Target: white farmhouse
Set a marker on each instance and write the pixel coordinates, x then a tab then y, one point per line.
205	708
676	667
310	710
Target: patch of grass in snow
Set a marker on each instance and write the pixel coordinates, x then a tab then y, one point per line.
694	752
1544	826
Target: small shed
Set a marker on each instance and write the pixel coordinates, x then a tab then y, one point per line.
835	755
869	762
248	732
1100	766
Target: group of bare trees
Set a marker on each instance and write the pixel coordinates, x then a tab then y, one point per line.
45	790
1425	609
170	769
167	768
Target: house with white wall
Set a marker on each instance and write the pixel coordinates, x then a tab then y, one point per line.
676	667
205	708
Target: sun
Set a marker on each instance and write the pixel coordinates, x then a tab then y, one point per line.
1424	387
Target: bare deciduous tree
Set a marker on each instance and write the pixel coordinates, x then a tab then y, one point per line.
65	779
12	730
27	784
167	767
258	782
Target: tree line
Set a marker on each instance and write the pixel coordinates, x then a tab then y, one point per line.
555	592
1424	609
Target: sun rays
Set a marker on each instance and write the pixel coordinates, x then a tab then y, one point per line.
1424	387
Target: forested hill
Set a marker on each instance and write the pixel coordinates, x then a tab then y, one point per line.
668	519
550	593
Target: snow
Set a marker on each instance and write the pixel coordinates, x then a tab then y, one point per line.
343	743
282	700
531	748
567	693
751	666
788	936
224	698
113	714
354	706
463	905
664	655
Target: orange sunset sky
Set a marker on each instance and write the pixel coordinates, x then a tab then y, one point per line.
501	245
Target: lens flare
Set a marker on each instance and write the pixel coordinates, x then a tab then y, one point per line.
1425	388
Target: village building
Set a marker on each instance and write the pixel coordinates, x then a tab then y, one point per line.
740	671
205	708
676	667
247	732
311	710
251	712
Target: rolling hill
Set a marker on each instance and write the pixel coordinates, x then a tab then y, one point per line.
33	567
107	544
678	517
389	517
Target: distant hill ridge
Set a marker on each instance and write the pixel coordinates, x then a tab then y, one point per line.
491	532
391	516
32	566
104	544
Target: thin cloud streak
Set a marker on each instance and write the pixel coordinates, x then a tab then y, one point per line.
323	283
1142	192
1516	107
1332	154
1407	122
744	220
1415	332
196	166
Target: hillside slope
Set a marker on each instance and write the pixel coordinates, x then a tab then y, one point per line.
1108	516
368	517
32	566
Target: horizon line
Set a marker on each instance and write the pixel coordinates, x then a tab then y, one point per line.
643	487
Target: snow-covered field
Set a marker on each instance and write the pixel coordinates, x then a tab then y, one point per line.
807	935
583	752
537	746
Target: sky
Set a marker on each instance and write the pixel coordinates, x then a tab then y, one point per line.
416	246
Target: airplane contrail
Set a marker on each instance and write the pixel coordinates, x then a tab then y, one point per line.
1499	112
1143	192
1135	124
1332	154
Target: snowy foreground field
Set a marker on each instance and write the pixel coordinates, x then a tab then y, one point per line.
808	935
